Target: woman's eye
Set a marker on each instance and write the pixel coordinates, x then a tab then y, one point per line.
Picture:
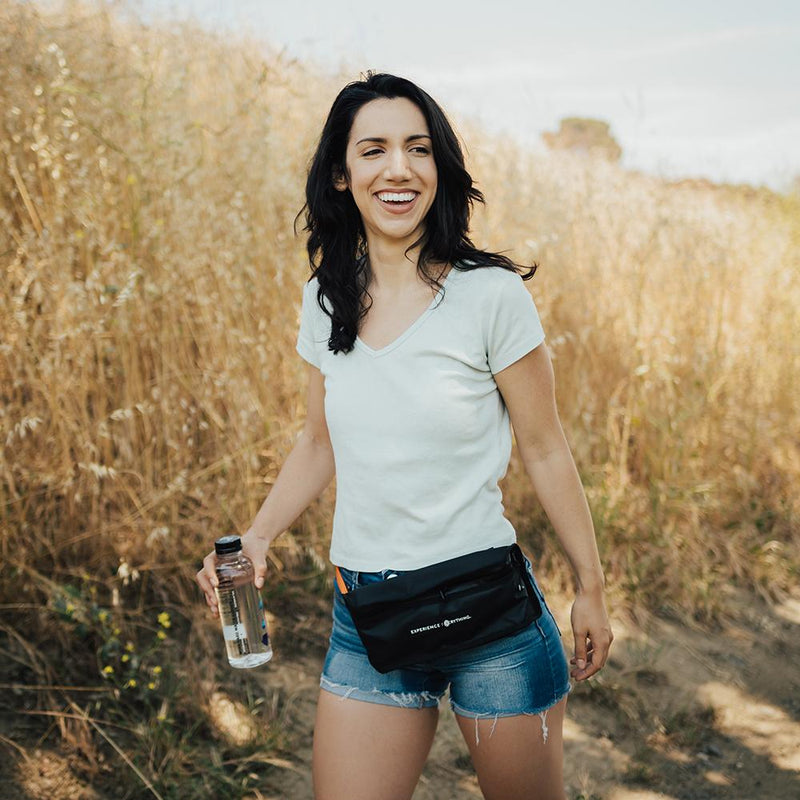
422	150
373	152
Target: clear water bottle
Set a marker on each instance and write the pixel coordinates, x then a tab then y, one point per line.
244	623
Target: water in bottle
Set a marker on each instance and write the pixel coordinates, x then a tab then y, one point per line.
244	623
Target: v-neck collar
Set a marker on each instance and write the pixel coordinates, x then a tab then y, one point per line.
410	330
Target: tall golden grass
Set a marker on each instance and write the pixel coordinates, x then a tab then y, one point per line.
150	292
151	285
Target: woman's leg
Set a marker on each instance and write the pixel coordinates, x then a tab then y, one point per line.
369	751
519	757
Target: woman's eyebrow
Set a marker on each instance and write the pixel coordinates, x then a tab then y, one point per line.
382	140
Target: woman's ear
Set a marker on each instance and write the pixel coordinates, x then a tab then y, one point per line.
339	180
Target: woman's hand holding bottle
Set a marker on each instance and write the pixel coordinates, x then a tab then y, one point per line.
254	546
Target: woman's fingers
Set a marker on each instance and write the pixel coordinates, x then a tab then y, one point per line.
593	635
207	580
261	572
207	576
581	657
601	644
591	654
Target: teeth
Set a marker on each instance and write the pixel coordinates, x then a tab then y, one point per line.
396	197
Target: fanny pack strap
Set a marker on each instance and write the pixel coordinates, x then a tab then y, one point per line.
516	555
340	582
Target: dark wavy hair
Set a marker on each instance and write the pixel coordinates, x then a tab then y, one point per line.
337	243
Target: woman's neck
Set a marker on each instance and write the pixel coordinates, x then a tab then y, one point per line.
392	267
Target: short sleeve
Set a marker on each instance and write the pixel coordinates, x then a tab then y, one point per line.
309	336
513	328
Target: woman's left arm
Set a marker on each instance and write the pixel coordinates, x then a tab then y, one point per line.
527	387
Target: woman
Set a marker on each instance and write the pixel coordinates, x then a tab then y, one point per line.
420	349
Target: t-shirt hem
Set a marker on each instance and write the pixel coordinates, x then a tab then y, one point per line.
515	355
360	564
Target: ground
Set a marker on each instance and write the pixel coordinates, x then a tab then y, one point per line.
679	713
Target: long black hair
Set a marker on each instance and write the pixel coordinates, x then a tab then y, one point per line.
337	243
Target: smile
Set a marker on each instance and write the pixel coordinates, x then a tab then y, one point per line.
397	202
396	197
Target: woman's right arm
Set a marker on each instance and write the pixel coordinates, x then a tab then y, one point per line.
308	469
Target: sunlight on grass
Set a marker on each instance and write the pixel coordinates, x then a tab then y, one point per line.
51	774
789	610
231	719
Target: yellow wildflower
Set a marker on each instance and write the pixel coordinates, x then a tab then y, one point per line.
108	670
156	670
129	647
131	684
102	616
70	608
126	658
164	620
161	635
151	686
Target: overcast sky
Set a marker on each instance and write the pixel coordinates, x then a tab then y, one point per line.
689	87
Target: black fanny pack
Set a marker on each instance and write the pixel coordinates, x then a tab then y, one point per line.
444	608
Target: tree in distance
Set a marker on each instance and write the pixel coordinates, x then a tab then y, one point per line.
584	135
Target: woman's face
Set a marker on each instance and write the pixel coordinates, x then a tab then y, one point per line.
390	169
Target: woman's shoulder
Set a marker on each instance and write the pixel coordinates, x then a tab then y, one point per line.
311	292
310	299
485	280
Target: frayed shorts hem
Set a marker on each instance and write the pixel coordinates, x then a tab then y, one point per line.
398	699
426	700
468	714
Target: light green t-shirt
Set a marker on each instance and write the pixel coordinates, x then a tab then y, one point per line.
420	433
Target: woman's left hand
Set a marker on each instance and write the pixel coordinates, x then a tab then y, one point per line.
592	632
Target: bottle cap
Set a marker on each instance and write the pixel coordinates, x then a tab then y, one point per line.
228	544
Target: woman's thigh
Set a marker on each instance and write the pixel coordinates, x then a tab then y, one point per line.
518	757
369	751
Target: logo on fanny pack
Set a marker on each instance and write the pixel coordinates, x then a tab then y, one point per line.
443	624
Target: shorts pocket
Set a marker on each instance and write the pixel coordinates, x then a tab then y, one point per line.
540	595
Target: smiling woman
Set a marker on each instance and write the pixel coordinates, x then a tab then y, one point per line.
421	350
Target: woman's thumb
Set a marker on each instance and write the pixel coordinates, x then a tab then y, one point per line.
261	571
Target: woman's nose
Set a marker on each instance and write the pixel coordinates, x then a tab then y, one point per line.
397	166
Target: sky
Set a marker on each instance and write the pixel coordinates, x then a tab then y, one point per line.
699	88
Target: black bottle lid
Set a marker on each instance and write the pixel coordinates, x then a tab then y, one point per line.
228	544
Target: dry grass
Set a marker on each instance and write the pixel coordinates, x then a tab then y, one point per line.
673	319
150	292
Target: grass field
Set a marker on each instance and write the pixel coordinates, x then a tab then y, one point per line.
149	387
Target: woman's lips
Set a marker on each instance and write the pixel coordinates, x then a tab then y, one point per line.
397	202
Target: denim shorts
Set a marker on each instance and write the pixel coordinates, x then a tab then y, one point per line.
525	673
